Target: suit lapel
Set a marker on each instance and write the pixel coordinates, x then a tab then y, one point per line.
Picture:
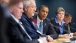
45	26
19	27
30	23
55	25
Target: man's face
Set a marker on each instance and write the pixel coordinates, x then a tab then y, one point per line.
60	15
31	9
67	19
18	10
43	12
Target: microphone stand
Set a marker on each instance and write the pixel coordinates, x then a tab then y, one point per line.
58	27
74	38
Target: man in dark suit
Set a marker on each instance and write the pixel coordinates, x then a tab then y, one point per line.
2	26
3	22
67	19
26	19
15	30
47	29
59	24
29	9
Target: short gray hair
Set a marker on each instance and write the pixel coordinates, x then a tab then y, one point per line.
59	9
27	2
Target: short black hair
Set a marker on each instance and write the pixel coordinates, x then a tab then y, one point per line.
42	7
68	14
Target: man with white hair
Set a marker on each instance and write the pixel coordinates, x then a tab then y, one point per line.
15	31
29	10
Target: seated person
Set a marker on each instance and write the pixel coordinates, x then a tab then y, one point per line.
67	19
46	29
59	24
16	32
29	9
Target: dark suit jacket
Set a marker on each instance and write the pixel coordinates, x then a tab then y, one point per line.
2	26
65	30
32	31
16	34
47	28
3	37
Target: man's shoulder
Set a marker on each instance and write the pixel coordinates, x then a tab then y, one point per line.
11	21
23	15
23	18
46	20
52	20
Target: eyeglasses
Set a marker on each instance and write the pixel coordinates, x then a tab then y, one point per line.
32	6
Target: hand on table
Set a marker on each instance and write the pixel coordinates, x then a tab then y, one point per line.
43	39
64	36
50	38
74	34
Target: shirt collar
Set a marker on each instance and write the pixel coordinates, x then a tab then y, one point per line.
56	20
15	18
38	19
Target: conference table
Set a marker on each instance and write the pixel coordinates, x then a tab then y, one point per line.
63	40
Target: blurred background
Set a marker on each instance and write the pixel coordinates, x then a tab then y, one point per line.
68	5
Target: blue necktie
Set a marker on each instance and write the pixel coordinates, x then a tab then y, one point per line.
41	27
25	31
61	29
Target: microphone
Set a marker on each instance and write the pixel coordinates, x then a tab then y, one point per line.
73	38
64	30
58	27
74	24
72	28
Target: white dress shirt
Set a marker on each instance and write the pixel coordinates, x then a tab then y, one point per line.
17	21
15	18
20	23
38	21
